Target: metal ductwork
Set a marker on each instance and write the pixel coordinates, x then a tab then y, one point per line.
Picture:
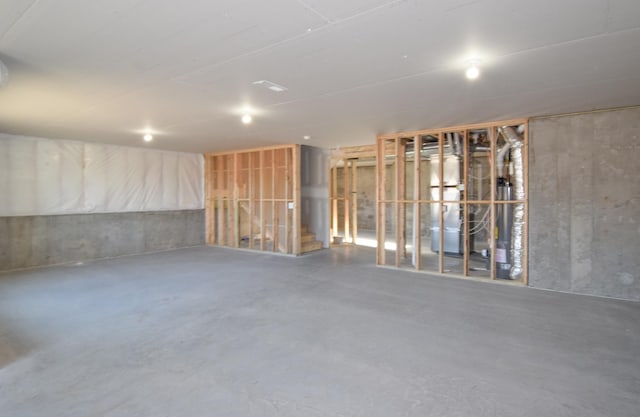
452	145
455	143
502	152
516	144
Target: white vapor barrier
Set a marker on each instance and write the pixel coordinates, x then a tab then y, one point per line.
43	176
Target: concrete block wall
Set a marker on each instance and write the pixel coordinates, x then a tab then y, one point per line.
29	241
584	203
366	193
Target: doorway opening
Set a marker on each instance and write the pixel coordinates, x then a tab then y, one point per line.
353	196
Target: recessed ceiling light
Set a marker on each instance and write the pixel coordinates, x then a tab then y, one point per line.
148	137
271	85
472	71
306	137
246	119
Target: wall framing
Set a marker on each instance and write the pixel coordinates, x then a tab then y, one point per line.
252	199
343	195
400	165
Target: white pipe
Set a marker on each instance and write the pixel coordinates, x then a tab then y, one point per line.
502	152
449	137
458	150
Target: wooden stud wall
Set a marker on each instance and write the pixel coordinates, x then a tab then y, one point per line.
253	199
493	134
346	198
343	168
440	204
392	149
465	208
381	179
417	174
399	192
354	200
342	186
334	201
209	192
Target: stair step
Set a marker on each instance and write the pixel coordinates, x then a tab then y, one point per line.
304	229
311	246
308	237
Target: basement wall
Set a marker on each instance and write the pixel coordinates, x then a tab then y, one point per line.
314	191
366	189
584	199
68	201
29	241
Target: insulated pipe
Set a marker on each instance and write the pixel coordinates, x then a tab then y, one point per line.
517	231
502	152
458	148
449	137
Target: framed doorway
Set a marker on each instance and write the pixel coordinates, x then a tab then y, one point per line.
353	196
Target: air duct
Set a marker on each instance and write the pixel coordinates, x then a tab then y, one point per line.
502	152
516	145
452	145
458	142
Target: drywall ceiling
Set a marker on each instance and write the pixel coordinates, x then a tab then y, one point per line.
105	71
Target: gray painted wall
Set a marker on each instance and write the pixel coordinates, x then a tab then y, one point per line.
584	218
314	191
29	241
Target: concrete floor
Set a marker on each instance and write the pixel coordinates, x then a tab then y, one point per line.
218	332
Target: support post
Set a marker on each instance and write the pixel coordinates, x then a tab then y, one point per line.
494	184
334	200
274	218
354	201
297	243
221	179
236	203
380	206
402	196
251	191
262	205
441	205
465	193
417	215
287	184
209	195
346	194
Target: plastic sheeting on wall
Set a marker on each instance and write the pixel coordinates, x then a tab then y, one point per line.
43	176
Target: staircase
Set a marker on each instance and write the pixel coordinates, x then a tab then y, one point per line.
308	240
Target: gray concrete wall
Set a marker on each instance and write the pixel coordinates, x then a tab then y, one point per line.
584	218
366	189
366	194
314	191
29	241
